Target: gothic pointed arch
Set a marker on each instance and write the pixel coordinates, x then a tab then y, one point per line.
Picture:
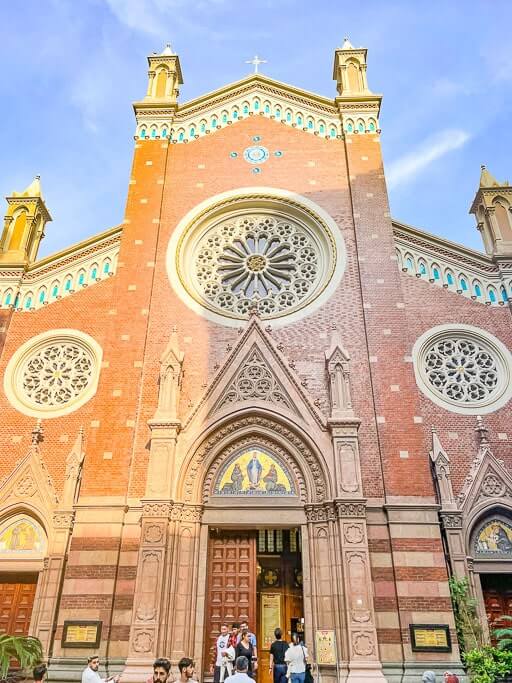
252	429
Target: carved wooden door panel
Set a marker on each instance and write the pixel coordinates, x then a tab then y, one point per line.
497	604
231	585
16	603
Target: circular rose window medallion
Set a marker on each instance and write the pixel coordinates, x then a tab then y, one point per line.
256	155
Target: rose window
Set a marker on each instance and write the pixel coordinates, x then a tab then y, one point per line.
53	373
463	369
57	374
269	262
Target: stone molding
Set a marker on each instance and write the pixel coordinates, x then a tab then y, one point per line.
270	427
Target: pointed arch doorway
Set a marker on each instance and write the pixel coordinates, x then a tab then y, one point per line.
254	568
254	576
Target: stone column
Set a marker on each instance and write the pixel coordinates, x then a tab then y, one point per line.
50	580
148	599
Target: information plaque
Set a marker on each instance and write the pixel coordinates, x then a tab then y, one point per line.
81	634
430	638
325	647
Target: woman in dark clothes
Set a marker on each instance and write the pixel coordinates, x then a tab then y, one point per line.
245	649
277	664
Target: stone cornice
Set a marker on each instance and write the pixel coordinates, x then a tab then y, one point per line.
443	247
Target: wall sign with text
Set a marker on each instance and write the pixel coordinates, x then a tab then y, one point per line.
81	634
430	638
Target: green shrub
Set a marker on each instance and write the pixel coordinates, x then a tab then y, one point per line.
25	649
486	664
504	635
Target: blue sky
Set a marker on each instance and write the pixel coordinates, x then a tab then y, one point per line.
70	71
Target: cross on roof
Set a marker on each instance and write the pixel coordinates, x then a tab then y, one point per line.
256	61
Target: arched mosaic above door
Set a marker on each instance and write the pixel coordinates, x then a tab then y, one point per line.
254	472
22	537
494	540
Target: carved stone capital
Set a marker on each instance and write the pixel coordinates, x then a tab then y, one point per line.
156	509
63	520
160	423
350	508
451	520
320	513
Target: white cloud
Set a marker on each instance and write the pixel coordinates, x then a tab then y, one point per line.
154	17
405	169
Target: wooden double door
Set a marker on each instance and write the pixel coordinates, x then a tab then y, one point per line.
497	592
17	593
254	579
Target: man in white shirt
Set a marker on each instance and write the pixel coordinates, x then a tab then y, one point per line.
240	676
221	653
90	673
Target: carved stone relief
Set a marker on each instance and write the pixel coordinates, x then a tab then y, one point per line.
353	533
363	643
153	533
349	467
358	583
26	487
143	641
148	584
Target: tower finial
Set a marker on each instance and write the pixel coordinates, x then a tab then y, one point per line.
481	431
37	433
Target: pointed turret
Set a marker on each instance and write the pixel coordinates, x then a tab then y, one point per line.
359	107
155	113
441	464
492	208
164	76
24	225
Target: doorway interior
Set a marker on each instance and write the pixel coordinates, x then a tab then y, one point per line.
17	593
254	576
497	592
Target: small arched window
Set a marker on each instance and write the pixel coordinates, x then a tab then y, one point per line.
256	105
8	298
423	269
310	124
42	296
106	267
81	278
181	136
246	109
463	285
224	118
449	278
435	272
214	122
504	295
492	296
164	132
371	126
267	109
203	127
28	302
478	290
360	127
143	133
94	273
55	291
288	116
333	132
299	120
409	264
192	132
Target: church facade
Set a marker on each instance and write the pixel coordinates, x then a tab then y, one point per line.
258	398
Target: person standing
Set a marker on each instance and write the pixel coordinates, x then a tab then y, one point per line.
241	666
187	670
246	649
39	673
277	665
234	637
252	637
90	673
296	656
221	652
161	671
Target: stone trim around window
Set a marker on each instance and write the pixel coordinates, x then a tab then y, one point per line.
53	373
463	369
213	261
